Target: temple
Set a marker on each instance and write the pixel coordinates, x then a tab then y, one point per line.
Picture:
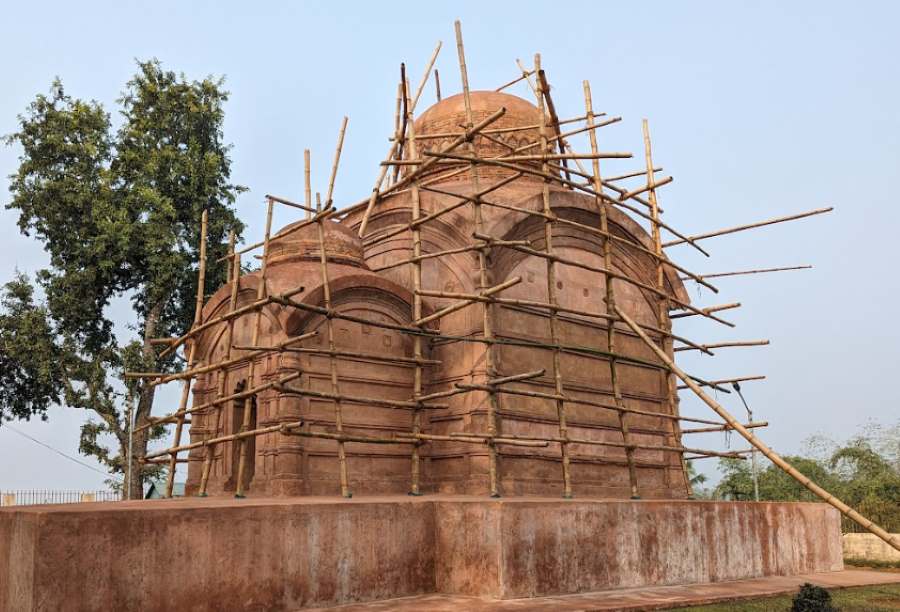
365	282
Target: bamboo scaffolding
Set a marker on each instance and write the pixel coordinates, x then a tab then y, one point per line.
868	525
741	228
171	418
746	272
211	442
198	314
233	313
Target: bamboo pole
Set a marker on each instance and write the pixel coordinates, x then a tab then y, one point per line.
551	277
715	383
717	345
610	297
723	427
868	525
708	309
437	85
483	281
198	315
746	272
209	456
525	74
669	381
236	437
307	189
261	291
415	459
741	228
355	399
460	305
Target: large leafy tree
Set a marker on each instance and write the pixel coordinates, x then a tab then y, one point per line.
118	212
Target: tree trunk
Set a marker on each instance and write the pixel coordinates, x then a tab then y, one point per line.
143	409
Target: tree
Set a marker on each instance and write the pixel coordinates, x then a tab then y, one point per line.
119	215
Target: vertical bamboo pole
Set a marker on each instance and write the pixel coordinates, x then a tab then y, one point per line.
665	323
307	193
483	279
551	288
186	388
329	322
251	370
415	459
610	298
235	276
437	84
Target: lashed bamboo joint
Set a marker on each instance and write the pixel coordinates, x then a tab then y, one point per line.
321	371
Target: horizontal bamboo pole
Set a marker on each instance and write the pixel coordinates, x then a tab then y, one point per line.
657	183
714	383
287	202
581	401
358	399
723	427
628	175
606	234
526	304
708	309
525	74
319	216
213	441
163	378
718	345
463	249
741	228
502	163
739	454
171	418
233	314
622	277
870	526
460	305
746	272
465	199
590	442
409	178
334	314
525	158
349	354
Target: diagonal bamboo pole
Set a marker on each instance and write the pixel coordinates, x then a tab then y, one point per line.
891	539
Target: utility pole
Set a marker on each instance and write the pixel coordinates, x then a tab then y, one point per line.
753	469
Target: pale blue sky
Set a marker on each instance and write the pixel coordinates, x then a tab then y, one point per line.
758	110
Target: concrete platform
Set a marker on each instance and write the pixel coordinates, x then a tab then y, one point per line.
650	598
289	553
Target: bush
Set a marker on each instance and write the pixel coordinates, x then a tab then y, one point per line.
812	598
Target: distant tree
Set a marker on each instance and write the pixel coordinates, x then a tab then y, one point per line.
774	484
119	215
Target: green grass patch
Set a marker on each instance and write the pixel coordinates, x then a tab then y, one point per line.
881	598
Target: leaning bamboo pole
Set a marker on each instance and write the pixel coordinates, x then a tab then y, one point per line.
186	388
609	281
662	304
551	278
741	228
249	402
891	539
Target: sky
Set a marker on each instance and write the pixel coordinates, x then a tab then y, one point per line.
758	109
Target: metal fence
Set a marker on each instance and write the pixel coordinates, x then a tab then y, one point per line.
50	496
